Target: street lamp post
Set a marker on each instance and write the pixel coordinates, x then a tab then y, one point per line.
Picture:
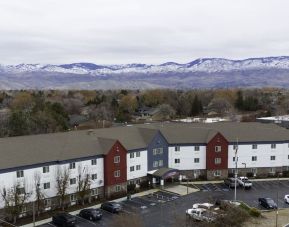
277	211
236	170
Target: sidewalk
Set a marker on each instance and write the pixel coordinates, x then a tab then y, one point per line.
44	221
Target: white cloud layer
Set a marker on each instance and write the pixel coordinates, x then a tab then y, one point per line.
147	31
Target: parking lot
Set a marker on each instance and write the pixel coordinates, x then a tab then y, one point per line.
162	209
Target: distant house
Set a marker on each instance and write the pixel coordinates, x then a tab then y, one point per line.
146	113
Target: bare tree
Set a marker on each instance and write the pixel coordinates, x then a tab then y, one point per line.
14	198
39	195
83	184
62	181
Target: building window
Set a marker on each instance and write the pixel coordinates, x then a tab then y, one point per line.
72	181
131	155
72	198
254	158
137	167
273	146
93	162
272	158
20	173
155	164
47	202
177	161
288	156
137	181
254	171
218	148
72	165
45	169
218	161
46	185
117	173
94	192
234	158
137	154
117	188
254	146
157	151
94	176
177	148
196	160
20	191
197	148
217	173
116	159
272	170
131	168
235	147
161	163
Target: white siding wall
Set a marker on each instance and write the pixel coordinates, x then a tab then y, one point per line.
187	154
263	153
9	179
142	161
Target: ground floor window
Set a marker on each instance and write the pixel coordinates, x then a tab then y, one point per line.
117	188
94	192
217	173
47	202
254	171
72	198
137	181
272	170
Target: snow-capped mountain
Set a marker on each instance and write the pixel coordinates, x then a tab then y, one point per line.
198	65
200	73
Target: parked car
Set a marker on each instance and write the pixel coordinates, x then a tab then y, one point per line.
207	206
64	220
112	207
230	182
244	182
286	198
267	203
201	214
91	214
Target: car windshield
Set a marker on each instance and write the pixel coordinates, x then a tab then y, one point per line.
270	201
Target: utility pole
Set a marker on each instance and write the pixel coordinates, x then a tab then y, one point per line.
236	169
277	211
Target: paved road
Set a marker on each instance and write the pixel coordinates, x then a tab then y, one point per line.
163	209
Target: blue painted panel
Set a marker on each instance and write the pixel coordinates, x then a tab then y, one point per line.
158	141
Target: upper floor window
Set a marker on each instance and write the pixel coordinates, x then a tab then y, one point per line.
137	167
234	159
273	158
273	146
45	169
177	161
116	159
137	154
72	165
197	148
254	158
117	173
157	151
72	181
93	176
254	146
177	148
161	162
218	148
196	160
155	164
218	160
131	155
93	162
131	168
46	185
20	173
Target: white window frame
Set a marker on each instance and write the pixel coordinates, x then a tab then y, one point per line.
72	165
273	146
116	173
131	155
161	163
72	198
45	169
254	146
218	161
47	203
177	161
20	173
272	170
138	167
93	162
46	185
273	158
177	148
218	148
254	158
131	169
94	192
116	159
137	154
72	181
117	188
197	148
155	164
217	173
196	160
94	176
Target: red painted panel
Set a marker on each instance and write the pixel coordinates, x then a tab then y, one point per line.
110	166
217	140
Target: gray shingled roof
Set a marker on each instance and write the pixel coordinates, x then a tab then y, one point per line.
28	150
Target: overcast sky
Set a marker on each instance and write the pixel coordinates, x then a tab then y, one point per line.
146	31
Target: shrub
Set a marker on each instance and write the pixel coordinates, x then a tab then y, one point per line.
254	212
131	188
285	173
250	175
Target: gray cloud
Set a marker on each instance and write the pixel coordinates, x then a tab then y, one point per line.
149	31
